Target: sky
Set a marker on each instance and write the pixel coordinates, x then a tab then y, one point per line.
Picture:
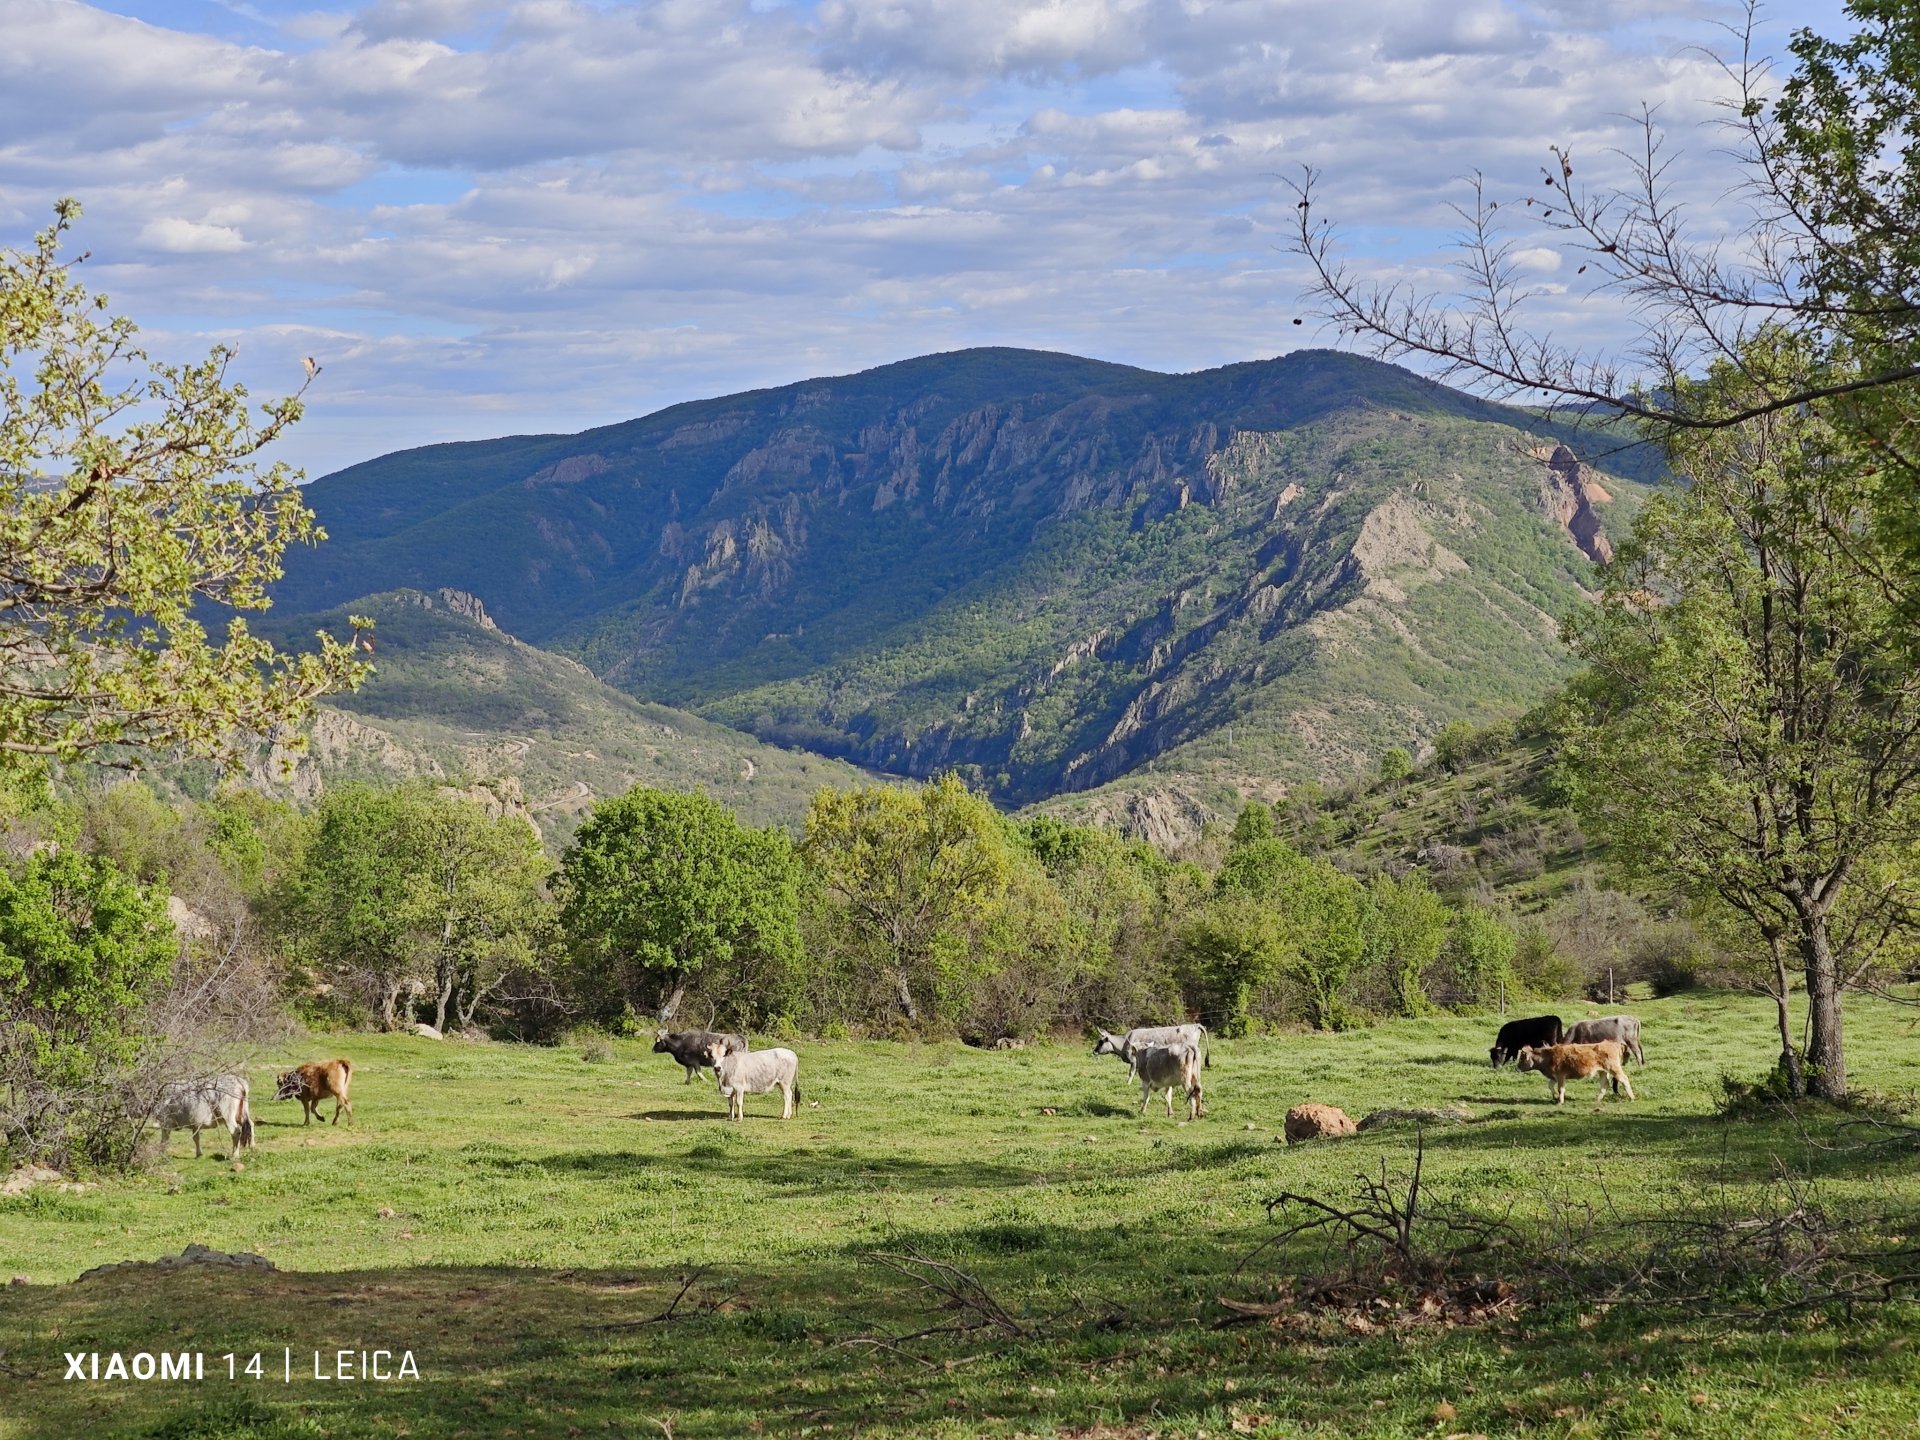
486	219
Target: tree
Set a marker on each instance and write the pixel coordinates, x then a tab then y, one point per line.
476	899
412	891
129	498
1453	745
83	950
1407	929
1325	913
916	879
658	889
1478	956
1395	765
1748	728
1254	822
1233	946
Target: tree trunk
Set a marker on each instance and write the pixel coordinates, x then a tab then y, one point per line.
387	1003
444	998
905	992
1782	988
671	1005
1826	1046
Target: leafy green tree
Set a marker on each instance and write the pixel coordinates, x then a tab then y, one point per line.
915	881
129	497
1116	924
1479	954
1748	727
1406	932
1453	746
411	892
1232	947
1395	765
1254	822
660	889
1325	913
83	950
476	899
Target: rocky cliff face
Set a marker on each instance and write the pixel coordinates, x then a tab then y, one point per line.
1569	491
1046	572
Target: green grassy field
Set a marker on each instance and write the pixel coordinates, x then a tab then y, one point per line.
515	1217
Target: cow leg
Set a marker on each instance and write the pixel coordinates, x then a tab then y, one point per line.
196	1144
1623	1083
1146	1099
692	1074
786	1102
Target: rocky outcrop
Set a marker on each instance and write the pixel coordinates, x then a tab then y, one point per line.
193	1255
1568	493
1317	1122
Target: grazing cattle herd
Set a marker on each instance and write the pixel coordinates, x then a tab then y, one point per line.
1160	1057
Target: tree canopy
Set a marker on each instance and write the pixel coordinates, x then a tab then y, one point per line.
130	503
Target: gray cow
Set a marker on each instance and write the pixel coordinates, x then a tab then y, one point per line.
1624	1028
1164	1067
198	1105
693	1048
1141	1036
754	1072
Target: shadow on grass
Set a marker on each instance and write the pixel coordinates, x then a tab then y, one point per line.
718	1113
739	1348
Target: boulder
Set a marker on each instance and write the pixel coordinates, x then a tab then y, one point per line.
195	1254
1316	1122
427	1032
1418	1115
26	1177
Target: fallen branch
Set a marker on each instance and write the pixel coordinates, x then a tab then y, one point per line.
666	1314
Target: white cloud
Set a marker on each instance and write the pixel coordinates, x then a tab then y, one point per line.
191	237
535	214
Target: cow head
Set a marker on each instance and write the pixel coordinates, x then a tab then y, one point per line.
663	1042
715	1053
1499	1055
290	1086
1111	1045
1529	1058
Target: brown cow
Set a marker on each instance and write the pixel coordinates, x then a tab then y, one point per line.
1561	1063
315	1081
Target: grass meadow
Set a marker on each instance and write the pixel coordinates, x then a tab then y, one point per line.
520	1218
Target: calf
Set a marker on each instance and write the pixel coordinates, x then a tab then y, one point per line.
1516	1035
315	1081
1624	1028
1561	1063
1166	1066
693	1047
1143	1035
198	1105
754	1072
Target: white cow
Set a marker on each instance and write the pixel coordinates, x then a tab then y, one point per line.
1165	1066
754	1072
1143	1035
198	1105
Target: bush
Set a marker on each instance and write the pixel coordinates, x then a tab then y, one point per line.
84	950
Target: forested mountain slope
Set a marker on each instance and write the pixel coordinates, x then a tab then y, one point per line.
1050	573
454	698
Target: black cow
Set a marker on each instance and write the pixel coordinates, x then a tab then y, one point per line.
1515	1035
694	1048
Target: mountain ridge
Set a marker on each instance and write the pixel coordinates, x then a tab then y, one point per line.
1051	573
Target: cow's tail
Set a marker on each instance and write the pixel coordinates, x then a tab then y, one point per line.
346	1067
246	1119
796	1092
1206	1048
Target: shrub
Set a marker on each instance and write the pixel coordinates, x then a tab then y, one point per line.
84	950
